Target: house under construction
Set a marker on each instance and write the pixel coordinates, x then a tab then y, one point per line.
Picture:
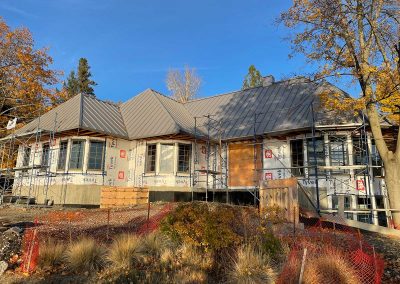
217	148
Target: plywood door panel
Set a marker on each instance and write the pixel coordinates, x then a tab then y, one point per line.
241	164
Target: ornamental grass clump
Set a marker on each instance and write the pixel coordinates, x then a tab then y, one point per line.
250	266
331	267
85	255
125	251
50	254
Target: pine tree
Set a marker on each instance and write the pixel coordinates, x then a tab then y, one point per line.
85	84
252	79
71	86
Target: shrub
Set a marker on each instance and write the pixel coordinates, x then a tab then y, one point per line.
125	251
85	255
271	245
251	266
329	267
50	254
203	226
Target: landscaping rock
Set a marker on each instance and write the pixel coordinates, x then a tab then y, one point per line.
10	243
3	267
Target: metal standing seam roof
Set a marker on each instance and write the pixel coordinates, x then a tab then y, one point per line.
81	112
283	106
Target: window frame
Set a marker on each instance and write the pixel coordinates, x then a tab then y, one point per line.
319	154
154	160
26	158
189	161
160	158
45	145
82	155
102	155
66	142
297	172
334	143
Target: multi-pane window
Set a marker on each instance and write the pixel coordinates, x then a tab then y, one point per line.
151	158
338	153
376	161
166	158
359	153
335	202
26	156
62	155
364	217
45	155
297	157
184	155
96	155
315	158
77	154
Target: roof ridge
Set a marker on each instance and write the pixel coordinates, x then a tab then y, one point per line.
100	100
219	95
166	109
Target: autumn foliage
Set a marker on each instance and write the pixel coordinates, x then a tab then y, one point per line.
26	77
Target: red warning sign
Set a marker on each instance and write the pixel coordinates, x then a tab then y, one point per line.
268	154
121	175
268	176
360	185
122	154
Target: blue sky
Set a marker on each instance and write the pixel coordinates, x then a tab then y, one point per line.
131	45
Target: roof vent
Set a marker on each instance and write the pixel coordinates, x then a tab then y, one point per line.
268	80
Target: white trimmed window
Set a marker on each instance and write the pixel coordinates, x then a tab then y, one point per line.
96	155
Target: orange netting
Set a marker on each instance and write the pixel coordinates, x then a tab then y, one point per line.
331	253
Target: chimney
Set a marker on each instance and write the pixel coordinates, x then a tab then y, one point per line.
268	80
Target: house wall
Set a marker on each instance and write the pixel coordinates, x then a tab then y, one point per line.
277	163
71	187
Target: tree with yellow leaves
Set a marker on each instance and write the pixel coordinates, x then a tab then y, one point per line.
360	39
25	77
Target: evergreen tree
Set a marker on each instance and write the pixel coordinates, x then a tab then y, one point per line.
85	84
71	86
252	79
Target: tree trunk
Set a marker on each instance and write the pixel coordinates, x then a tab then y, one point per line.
392	180
390	160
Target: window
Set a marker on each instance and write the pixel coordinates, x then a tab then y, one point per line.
166	158
376	161
348	215
359	154
62	155
297	157
26	156
338	153
96	155
319	154
76	155
184	155
335	202
151	158
364	217
364	203
45	155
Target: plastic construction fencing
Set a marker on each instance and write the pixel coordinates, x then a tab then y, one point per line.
326	252
100	224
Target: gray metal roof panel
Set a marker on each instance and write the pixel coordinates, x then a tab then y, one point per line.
102	116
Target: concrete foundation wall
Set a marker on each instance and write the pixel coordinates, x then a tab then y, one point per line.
69	194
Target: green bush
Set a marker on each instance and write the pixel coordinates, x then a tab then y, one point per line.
205	226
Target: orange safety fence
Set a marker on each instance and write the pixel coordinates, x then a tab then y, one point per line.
100	224
326	252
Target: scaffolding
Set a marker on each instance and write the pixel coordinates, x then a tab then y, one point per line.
210	133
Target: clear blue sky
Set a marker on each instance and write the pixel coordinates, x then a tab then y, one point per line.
130	44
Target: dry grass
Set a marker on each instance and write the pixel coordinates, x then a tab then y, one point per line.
85	255
50	253
251	266
125	251
330	267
